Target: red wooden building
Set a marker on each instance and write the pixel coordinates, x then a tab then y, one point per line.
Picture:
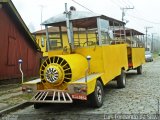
16	42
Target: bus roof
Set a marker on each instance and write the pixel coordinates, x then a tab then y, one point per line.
80	19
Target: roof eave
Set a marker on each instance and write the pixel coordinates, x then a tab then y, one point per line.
12	7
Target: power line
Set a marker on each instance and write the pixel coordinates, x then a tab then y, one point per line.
116	3
144	19
83	6
123	11
122	8
120	3
141	14
130	2
125	2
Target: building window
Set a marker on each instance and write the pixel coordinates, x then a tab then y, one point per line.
42	41
53	44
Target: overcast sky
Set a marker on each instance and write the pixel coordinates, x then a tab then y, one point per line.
144	14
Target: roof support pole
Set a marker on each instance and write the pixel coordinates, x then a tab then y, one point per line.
69	27
47	35
78	37
131	38
60	31
99	31
87	36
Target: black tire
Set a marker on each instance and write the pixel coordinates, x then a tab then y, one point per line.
121	79
139	69
37	105
96	98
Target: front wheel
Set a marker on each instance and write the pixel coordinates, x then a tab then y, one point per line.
121	79
96	98
139	69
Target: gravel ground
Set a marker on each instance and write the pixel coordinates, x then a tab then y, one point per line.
11	95
140	97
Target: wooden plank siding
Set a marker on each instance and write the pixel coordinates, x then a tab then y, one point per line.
14	45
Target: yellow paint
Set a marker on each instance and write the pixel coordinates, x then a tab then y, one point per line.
107	59
91	86
78	65
60	74
40	86
82	42
39	42
138	56
91	82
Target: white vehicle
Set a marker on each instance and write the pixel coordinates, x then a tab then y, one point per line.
148	56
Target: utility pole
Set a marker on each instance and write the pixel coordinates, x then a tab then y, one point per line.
152	44
123	11
41	7
146	35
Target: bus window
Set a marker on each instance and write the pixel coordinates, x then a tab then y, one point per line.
104	31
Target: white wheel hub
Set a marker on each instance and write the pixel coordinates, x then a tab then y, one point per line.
51	75
99	93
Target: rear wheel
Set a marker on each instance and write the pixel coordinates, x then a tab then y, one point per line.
96	98
139	69
121	79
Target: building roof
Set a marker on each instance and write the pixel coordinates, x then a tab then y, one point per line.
80	19
8	4
130	31
56	30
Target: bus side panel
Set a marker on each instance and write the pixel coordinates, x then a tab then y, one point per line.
96	62
115	58
138	56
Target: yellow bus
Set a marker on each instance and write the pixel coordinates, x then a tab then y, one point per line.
82	67
41	40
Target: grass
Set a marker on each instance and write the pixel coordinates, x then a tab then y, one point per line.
17	99
8	89
155	54
9	86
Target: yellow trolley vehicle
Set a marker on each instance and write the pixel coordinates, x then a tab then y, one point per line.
82	67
